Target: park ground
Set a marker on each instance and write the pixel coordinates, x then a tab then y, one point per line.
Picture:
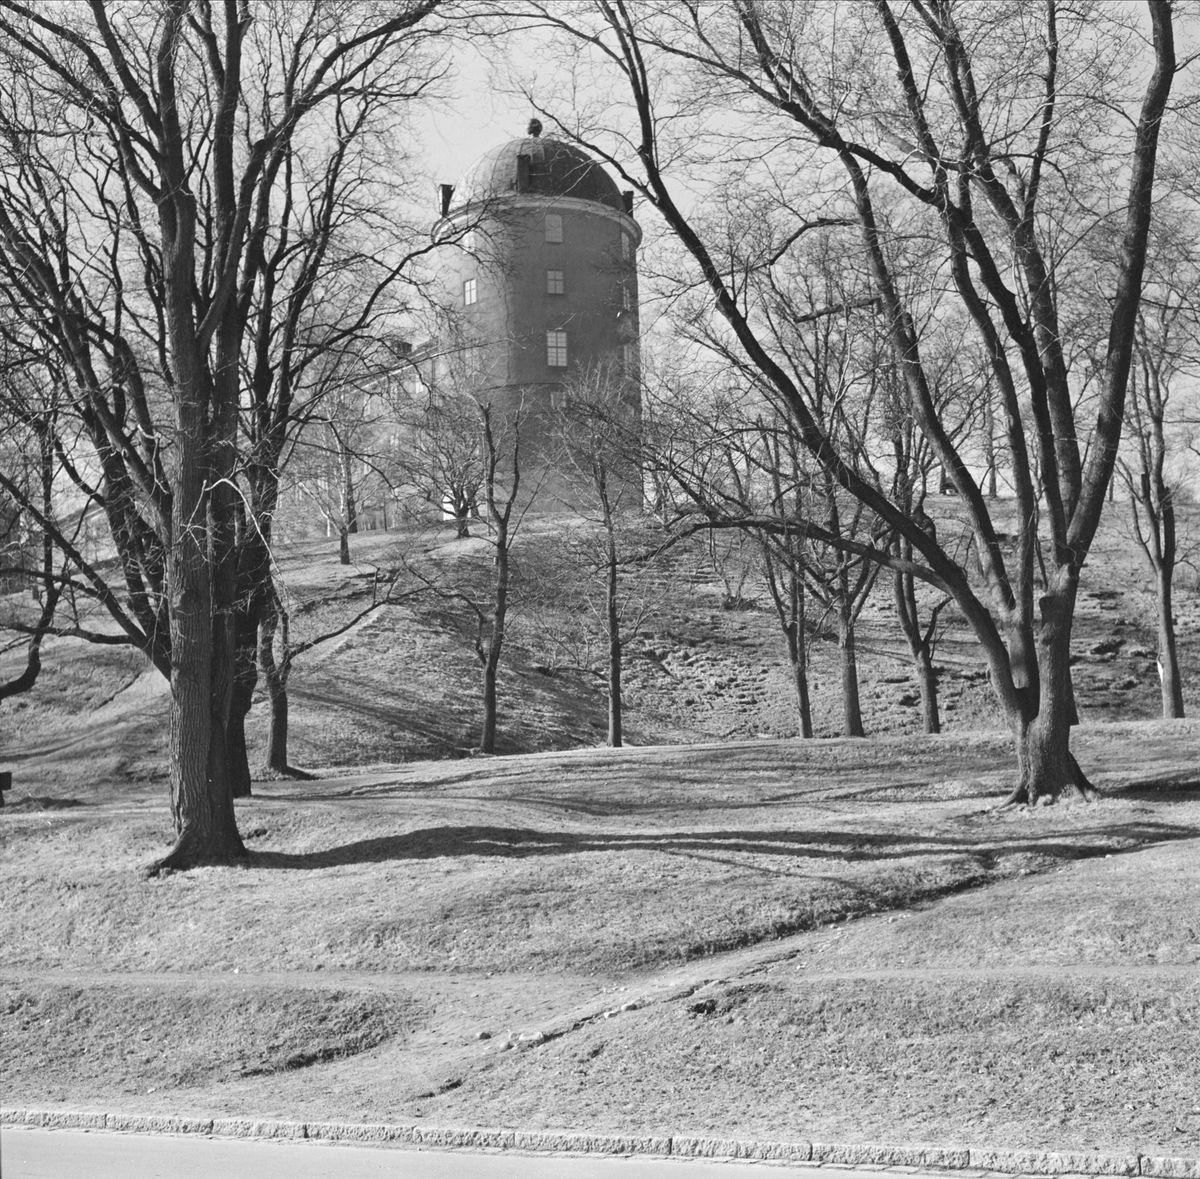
828	941
721	930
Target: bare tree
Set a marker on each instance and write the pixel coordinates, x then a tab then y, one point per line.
600	463
438	457
508	494
1165	358
329	270
889	118
27	554
140	153
277	654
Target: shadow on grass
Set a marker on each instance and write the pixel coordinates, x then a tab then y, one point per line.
673	786
844	846
41	802
1169	788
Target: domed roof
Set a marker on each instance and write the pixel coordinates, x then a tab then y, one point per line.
555	169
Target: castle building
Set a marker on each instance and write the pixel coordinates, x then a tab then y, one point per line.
543	281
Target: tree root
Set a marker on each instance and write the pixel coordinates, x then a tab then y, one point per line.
192	852
1019	797
1087	789
270	774
1077	781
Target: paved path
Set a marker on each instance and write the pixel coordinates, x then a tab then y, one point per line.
29	1153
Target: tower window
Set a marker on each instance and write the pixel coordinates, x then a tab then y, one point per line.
556	349
553	227
625	250
554	282
630	360
626	297
470	292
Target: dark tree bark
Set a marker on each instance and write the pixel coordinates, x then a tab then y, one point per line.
852	723
920	640
613	624
919	645
489	646
501	502
33	655
1168	655
200	577
1042	725
798	653
275	675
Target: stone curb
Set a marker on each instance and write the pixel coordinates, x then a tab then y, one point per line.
977	1163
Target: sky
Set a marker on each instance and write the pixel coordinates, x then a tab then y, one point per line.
477	118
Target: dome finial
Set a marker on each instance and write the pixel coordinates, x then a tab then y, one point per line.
535	127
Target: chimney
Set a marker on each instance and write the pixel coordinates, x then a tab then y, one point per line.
627	201
447	197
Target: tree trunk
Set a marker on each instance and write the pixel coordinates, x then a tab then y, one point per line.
276	760
349	506
1042	728
245	677
613	624
239	760
614	693
277	738
1168	657
276	680
33	657
487	740
927	683
904	594
852	725
989	441
199	566
343	544
1043	767
798	655
201	799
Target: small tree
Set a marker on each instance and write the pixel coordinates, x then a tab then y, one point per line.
1164	356
438	458
600	458
27	554
488	599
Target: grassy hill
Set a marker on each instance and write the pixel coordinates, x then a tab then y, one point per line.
403	683
727	932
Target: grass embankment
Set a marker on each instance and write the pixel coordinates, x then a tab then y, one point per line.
832	940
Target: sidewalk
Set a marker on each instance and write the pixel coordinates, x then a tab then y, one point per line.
529	1149
34	1153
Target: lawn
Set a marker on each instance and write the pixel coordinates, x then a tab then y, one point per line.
831	941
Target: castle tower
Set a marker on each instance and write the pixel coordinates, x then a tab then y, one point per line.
545	281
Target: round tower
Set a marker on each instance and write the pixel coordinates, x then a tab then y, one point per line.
544	281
